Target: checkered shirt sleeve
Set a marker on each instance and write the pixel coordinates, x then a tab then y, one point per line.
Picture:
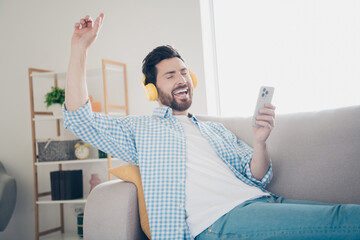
110	135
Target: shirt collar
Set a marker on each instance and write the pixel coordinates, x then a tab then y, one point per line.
163	112
166	112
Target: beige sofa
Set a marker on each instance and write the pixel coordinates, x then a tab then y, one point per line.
315	155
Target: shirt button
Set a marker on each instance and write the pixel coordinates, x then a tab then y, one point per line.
181	181
181	205
180	230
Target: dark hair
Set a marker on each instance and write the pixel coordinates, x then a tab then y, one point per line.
153	58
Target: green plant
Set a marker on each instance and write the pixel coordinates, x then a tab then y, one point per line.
56	95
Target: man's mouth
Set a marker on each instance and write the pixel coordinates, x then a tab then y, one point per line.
181	92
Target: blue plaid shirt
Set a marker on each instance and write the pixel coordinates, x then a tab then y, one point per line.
157	145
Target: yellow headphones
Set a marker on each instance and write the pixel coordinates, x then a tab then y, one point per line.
151	92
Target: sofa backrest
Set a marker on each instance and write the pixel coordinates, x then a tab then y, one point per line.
315	155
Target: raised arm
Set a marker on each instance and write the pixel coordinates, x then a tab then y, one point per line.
85	34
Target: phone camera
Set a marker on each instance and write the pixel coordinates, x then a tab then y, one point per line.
264	93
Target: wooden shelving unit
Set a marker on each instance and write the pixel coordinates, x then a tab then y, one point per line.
103	74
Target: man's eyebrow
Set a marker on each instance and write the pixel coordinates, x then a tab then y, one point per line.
171	72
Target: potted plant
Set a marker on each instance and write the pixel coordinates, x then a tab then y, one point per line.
54	100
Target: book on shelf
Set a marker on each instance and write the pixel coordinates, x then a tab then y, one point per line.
66	185
55	185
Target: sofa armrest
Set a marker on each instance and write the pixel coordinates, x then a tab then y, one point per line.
111	212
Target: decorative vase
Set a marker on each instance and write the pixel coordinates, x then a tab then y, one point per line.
56	109
95	180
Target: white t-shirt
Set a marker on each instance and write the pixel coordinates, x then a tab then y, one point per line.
212	189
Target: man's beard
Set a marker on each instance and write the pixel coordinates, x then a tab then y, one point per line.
169	100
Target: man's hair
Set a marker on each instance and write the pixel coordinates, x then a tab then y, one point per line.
154	57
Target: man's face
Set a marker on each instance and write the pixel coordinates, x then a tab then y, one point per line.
174	85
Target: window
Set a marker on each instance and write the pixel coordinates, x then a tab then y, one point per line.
308	50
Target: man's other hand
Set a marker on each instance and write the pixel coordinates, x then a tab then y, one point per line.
86	32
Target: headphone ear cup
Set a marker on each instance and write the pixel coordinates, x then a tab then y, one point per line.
150	92
194	79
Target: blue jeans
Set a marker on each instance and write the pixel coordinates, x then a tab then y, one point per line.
280	218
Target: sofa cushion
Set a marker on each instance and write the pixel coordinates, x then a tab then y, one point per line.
131	173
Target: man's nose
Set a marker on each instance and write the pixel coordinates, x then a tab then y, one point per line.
182	79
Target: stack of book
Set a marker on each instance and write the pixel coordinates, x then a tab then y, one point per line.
66	185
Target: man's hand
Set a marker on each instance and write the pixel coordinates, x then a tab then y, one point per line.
260	161
267	123
86	32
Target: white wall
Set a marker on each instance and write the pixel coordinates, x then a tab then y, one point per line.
37	34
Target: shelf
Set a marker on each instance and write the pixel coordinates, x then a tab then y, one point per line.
46	118
49	118
49	201
89	73
75	161
109	72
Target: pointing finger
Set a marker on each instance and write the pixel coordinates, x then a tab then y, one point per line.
98	22
102	15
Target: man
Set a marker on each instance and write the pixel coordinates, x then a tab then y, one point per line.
199	180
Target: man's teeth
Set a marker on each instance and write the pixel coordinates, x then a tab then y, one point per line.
181	91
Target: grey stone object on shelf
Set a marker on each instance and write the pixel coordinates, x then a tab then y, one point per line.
52	150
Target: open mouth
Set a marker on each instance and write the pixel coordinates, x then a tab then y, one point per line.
181	92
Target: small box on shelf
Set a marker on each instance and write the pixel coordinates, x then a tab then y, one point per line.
102	154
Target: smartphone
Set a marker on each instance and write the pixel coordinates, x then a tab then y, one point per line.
265	96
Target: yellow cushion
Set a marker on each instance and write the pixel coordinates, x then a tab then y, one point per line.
131	173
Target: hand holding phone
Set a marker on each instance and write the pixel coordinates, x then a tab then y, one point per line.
265	96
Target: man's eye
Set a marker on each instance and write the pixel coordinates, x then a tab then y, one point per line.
169	77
